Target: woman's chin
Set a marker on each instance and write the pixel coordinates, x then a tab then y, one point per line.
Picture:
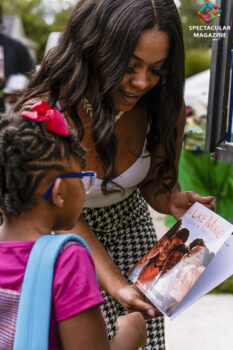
125	108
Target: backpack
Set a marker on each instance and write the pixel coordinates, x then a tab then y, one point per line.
33	317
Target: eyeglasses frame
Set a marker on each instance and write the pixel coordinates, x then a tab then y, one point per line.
69	175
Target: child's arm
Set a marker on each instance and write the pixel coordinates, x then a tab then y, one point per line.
84	331
131	332
109	275
87	331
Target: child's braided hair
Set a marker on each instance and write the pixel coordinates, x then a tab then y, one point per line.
27	151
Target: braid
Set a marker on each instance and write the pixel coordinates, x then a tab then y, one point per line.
27	152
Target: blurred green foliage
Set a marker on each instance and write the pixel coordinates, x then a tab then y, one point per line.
60	20
225	287
33	14
188	12
196	60
197	50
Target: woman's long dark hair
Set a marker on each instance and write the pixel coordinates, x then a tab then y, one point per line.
94	50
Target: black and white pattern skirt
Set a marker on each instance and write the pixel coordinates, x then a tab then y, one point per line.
126	231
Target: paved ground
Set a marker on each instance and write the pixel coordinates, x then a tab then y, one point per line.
206	325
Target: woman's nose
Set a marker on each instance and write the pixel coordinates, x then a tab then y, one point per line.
141	81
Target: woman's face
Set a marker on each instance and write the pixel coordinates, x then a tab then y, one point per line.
176	240
143	70
196	255
173	258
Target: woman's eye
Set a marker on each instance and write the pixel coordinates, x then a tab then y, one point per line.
130	70
159	72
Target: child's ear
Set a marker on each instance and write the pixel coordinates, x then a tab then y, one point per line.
57	193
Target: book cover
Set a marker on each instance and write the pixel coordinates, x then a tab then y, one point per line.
188	251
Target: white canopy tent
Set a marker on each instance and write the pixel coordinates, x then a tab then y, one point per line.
196	92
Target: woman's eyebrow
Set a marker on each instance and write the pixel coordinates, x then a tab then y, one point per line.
139	59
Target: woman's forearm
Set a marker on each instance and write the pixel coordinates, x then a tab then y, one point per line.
160	203
109	275
176	202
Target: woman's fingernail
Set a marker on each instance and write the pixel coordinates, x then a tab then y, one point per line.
150	312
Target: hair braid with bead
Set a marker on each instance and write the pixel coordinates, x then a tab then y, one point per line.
28	150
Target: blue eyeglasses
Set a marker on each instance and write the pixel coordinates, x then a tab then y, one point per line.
91	175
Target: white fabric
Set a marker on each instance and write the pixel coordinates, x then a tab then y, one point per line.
127	180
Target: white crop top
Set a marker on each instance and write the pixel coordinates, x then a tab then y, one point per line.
128	180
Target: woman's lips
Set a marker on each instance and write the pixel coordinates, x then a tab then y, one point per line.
129	98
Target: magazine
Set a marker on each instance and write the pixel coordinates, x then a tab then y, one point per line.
192	258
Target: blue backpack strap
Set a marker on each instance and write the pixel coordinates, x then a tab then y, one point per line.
33	318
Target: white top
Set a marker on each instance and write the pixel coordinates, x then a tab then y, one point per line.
128	180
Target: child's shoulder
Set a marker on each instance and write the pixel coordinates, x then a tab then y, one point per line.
75	287
13	260
73	255
11	247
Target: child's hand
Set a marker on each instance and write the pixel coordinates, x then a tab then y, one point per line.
132	299
134	326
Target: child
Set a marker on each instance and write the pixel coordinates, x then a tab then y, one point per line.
41	190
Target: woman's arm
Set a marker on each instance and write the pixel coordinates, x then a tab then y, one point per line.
109	275
176	202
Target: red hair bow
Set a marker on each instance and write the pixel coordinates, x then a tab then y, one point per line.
42	112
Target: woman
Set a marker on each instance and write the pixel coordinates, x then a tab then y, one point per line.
159	289
188	271
159	262
118	75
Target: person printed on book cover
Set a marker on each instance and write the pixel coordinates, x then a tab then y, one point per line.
155	264
174	256
191	267
157	249
160	246
159	286
185	274
149	258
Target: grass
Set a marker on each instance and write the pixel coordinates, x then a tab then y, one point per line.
225	287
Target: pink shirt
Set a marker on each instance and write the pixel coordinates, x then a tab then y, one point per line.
75	288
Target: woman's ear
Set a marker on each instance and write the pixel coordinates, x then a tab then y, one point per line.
57	193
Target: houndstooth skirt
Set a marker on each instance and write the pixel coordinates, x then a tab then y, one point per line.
126	231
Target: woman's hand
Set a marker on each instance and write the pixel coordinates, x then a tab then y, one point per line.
181	201
132	300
